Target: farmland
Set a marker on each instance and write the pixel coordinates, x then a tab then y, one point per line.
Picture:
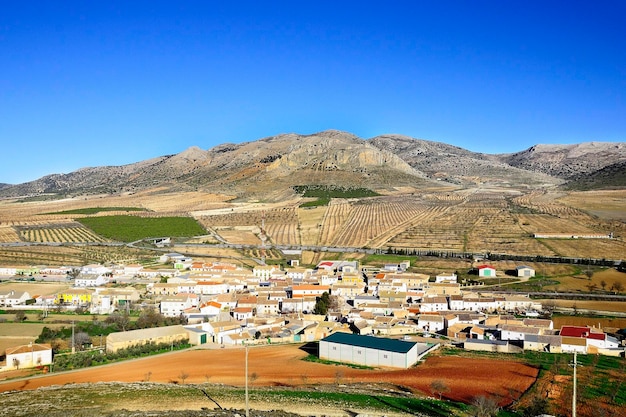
475	221
131	228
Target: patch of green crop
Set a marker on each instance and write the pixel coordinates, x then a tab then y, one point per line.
131	228
325	193
96	210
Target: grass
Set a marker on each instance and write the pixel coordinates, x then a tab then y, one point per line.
379	403
314	358
131	228
382	259
112	398
96	210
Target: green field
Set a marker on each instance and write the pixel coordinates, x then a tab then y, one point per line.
131	228
96	210
325	193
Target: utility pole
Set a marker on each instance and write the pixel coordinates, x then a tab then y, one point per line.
247	405
574	390
73	346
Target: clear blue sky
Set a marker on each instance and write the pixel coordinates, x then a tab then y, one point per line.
91	83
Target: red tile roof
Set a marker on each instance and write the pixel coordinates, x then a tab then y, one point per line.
582	332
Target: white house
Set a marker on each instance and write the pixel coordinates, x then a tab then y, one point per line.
446	278
175	305
486	271
90	280
433	304
29	356
431	323
9	271
13	298
301	305
95	269
211	287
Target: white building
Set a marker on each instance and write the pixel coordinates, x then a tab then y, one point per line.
368	350
29	356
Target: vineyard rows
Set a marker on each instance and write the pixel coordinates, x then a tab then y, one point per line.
367	221
282	234
60	234
334	218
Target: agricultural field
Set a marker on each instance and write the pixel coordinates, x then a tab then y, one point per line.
34	288
604	204
66	232
131	228
71	255
8	234
477	221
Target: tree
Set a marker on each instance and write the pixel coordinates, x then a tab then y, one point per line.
321	304
16	363
20	316
183	376
603	284
438	386
485	406
150	318
617	287
81	339
538	406
120	319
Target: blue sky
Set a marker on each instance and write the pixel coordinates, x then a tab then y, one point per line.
91	83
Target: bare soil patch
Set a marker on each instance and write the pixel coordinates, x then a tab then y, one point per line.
270	366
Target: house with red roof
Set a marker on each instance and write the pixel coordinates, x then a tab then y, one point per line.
594	338
486	271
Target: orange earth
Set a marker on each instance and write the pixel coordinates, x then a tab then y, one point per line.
464	378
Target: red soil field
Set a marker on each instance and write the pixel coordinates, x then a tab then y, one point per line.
466	378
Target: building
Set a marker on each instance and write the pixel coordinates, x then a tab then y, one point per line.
525	271
13	298
486	271
157	335
29	356
368	350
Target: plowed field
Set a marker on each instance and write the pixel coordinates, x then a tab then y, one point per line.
465	378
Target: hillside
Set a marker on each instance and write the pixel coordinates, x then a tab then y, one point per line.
612	176
269	168
459	166
567	161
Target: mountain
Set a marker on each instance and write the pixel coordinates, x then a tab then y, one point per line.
268	168
457	165
568	161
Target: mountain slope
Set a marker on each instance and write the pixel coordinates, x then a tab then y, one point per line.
268	168
567	161
458	165
612	176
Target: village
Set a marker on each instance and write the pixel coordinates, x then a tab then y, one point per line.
375	316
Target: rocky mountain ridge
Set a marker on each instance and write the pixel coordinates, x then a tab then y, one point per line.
271	166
